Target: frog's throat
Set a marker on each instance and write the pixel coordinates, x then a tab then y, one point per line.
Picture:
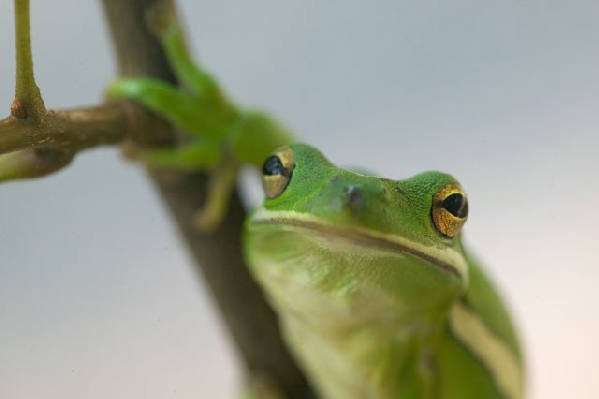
445	258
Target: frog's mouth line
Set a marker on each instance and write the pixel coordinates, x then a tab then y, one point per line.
446	259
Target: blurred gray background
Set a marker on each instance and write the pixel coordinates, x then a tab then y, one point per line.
97	296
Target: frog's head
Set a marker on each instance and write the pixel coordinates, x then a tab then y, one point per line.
406	234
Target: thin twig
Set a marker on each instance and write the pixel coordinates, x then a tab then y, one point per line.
28	102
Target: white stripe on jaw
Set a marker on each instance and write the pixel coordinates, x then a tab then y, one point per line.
443	255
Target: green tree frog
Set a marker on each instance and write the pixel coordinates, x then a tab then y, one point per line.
376	294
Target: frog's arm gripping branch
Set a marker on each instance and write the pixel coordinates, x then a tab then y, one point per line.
221	135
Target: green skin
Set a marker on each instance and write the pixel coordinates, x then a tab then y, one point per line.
364	285
373	300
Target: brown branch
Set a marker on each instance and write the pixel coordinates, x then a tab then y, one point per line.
70	130
37	147
251	322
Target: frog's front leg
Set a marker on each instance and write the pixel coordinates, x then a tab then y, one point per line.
221	135
203	153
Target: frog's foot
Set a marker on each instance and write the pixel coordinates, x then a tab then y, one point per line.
223	136
193	114
214	138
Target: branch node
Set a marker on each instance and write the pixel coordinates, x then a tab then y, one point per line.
18	109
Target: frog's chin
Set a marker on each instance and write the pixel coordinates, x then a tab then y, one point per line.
446	259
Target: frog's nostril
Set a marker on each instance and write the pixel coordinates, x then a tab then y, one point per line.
354	196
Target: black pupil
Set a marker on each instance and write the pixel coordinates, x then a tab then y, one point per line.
273	166
457	205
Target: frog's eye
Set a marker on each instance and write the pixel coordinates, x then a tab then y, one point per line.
276	172
450	210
